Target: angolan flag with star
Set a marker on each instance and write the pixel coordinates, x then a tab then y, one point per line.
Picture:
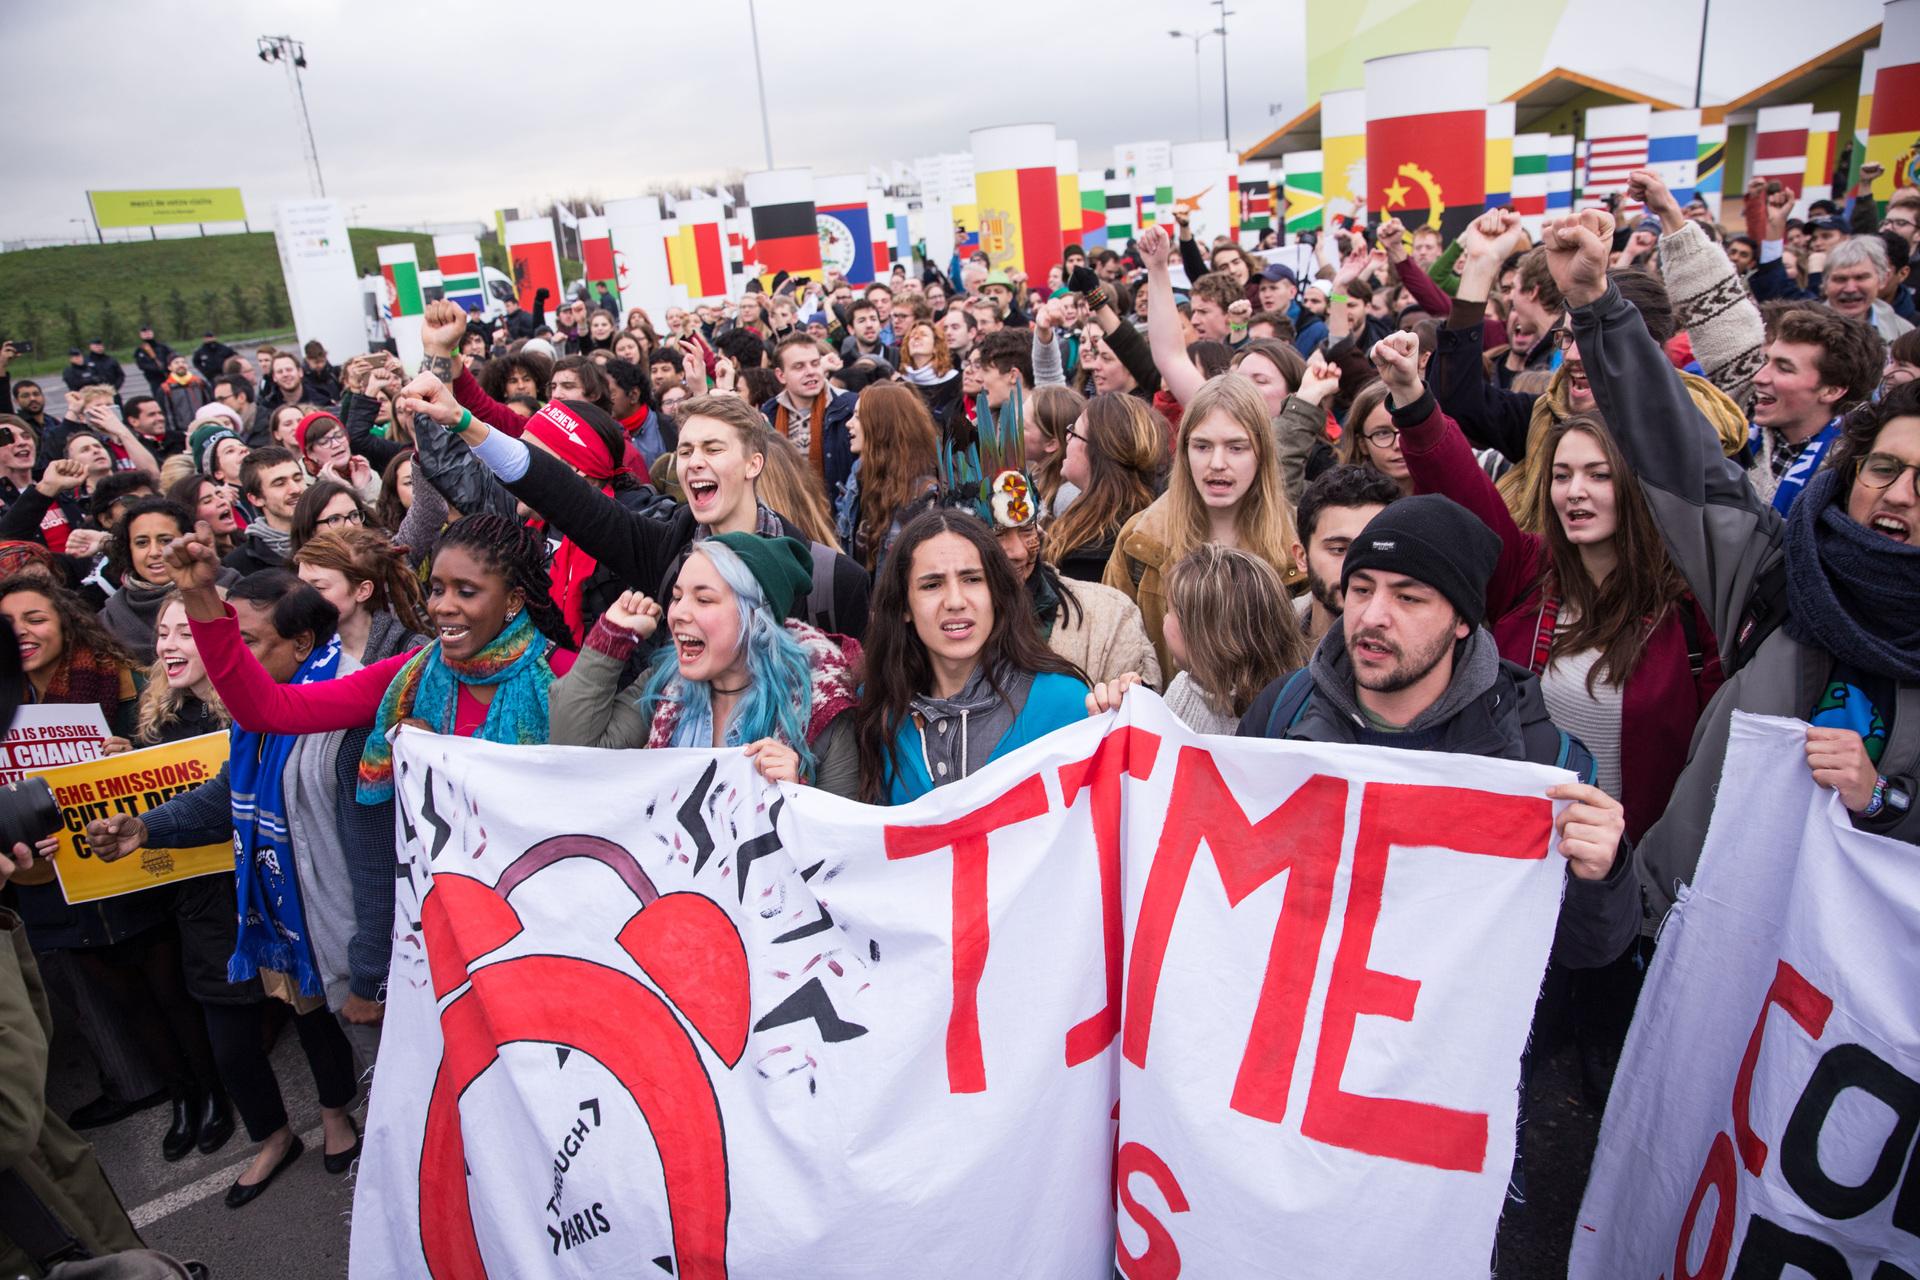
1426	144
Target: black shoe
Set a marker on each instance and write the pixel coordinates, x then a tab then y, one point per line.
240	1194
104	1110
184	1132
216	1123
344	1160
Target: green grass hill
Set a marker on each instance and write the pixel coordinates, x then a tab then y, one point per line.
58	298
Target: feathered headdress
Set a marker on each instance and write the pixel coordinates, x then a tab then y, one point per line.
989	477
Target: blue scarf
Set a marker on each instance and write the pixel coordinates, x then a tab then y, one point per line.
1805	463
273	924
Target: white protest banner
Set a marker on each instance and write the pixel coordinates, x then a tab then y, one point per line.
1763	1116
316	259
648	1013
46	735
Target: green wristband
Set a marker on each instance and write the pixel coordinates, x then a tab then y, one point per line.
1336	297
466	420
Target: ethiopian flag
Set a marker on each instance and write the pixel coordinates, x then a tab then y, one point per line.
1427	138
400	269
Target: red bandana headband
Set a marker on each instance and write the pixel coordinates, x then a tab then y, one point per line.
572	440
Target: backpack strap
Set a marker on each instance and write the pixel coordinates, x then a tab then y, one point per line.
1765	610
1291	704
1543	628
820	600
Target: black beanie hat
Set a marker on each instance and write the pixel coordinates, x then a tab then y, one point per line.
1434	540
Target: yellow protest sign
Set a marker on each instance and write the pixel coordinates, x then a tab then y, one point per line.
167	208
133	783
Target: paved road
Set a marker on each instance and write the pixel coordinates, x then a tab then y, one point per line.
297	1230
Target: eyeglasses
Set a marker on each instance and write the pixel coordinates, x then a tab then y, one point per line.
1882	470
1382	437
1906	224
350	517
1562	338
1078	435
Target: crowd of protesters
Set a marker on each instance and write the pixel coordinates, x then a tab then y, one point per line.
1573	500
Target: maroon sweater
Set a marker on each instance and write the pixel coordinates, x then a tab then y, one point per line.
1662	698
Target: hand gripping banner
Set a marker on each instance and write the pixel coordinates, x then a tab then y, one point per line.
1127	999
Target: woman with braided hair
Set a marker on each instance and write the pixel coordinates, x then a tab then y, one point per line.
496	646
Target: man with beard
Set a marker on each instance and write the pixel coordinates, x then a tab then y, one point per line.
30	402
1408	665
1331	513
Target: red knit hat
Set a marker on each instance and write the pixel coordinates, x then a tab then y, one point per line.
307	423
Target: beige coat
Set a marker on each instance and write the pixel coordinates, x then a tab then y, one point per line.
1106	637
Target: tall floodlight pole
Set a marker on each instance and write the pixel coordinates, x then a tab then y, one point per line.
1199	129
1700	67
1226	115
294	54
760	80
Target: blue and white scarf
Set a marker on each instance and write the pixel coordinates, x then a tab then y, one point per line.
1805	463
273	924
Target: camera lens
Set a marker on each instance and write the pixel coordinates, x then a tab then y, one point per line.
28	813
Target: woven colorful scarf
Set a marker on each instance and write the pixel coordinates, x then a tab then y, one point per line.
428	689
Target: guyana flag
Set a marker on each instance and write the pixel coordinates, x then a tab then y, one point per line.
1427	138
1306	202
400	269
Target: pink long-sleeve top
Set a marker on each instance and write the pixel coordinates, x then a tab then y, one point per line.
260	704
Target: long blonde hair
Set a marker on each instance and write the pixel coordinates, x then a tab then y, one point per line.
789	486
160	703
1239	627
1264	517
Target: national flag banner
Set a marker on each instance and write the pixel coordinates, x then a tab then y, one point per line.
901	221
1122	219
1426	138
458	257
1580	166
534	261
1673	150
640	265
736	237
400	273
1300	179
1823	153
1500	171
596	258
1616	146
880	227
1762	1117
966	229
1018	195
1256	199
845	222
1530	180
1066	168
1153	199
649	1013
1132	159
1093	209
1780	146
1710	173
1343	149
1893	136
1560	178
1863	113
784	232
1200	186
697	250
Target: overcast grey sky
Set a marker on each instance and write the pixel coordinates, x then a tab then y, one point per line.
428	112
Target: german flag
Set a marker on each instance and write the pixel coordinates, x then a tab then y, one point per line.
785	226
1427	138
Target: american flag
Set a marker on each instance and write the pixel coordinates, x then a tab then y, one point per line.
1609	162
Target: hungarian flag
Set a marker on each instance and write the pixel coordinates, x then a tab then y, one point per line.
596	255
1893	134
1427	138
1018	195
400	269
459	260
785	226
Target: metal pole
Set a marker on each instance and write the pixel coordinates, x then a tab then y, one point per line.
1700	68
760	80
313	149
1226	118
1199	129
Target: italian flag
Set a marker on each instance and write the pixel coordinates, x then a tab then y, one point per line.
400	268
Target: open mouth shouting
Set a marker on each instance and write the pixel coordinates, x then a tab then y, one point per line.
175	667
689	647
1886	523
1577	382
703	493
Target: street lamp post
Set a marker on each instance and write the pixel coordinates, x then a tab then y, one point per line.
1226	115
294	53
760	81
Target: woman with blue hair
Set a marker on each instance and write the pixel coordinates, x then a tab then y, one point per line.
739	671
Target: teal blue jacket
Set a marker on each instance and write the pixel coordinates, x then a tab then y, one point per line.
1053	701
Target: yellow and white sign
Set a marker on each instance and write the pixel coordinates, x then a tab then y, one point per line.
167	208
133	782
